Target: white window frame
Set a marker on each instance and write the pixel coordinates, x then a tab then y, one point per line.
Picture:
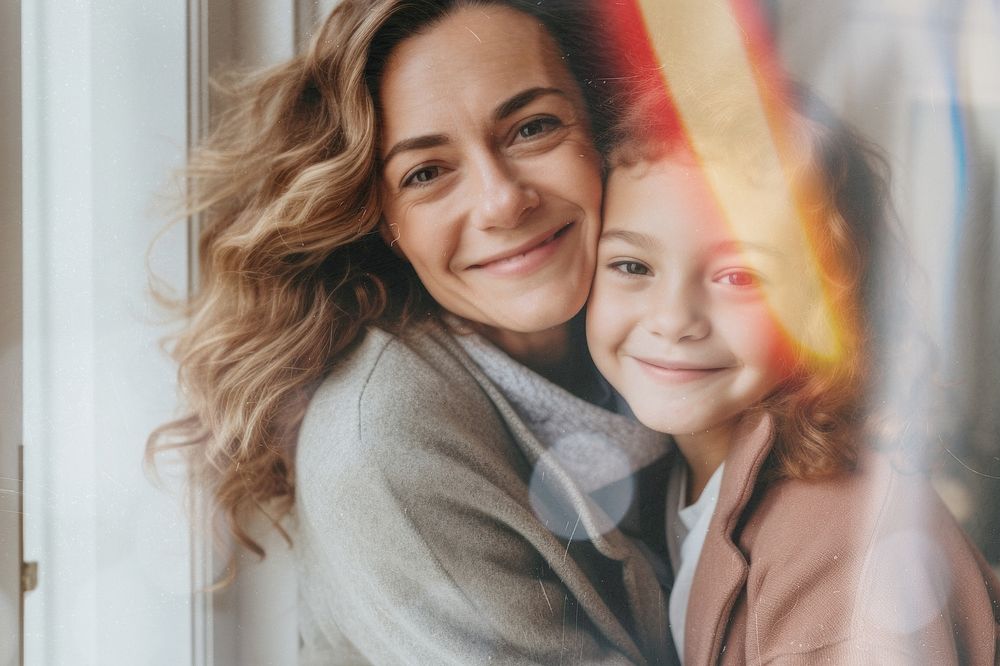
11	556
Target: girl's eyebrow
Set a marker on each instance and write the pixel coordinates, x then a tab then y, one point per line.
638	239
652	244
738	247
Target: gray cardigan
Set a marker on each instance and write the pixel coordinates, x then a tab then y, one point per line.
416	538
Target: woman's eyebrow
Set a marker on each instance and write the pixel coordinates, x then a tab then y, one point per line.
504	109
416	143
523	99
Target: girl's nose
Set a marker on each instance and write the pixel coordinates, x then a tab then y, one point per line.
678	314
503	199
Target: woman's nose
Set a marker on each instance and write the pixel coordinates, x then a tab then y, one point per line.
503	199
678	314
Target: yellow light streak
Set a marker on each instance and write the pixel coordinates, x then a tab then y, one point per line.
702	51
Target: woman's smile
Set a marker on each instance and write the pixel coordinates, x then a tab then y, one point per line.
527	259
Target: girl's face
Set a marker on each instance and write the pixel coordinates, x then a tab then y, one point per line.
491	183
678	321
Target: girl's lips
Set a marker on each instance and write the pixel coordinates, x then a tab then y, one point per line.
528	260
676	372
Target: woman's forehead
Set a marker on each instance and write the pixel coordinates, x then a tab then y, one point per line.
469	62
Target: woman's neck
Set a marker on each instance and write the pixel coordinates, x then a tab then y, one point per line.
539	350
559	354
704	452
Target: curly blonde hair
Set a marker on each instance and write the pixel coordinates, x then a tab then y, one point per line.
822	406
292	267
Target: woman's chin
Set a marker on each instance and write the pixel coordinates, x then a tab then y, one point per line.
542	314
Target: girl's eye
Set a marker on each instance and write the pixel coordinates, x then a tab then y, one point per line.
422	176
533	128
631	267
739	279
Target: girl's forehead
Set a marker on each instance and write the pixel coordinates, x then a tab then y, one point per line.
677	203
666	196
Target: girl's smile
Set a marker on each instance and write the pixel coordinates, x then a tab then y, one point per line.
676	371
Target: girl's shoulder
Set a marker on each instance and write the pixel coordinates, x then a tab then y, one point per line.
876	505
876	554
881	494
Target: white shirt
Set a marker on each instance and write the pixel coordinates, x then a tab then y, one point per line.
686	527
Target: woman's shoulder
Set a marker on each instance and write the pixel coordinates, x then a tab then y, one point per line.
421	367
390	399
423	349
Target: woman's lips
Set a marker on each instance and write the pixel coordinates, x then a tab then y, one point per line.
678	372
527	259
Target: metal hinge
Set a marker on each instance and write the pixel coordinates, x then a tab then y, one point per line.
29	576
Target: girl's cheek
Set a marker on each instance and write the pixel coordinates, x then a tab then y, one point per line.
783	358
603	317
781	354
764	342
599	292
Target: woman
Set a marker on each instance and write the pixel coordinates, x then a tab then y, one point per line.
401	225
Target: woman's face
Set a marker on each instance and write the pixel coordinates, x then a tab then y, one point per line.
491	184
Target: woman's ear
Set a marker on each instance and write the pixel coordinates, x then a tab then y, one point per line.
390	234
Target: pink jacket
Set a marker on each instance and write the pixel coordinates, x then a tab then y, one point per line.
865	568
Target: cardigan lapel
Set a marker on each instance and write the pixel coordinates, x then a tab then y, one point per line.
646	599
722	569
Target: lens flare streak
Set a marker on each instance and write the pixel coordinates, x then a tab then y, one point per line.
710	50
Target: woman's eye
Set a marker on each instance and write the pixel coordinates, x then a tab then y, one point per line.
533	128
739	279
422	176
631	267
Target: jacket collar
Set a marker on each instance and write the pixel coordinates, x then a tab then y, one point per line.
722	568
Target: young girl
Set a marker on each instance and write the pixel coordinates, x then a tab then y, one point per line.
732	310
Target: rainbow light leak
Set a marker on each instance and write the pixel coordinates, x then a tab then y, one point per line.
692	45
